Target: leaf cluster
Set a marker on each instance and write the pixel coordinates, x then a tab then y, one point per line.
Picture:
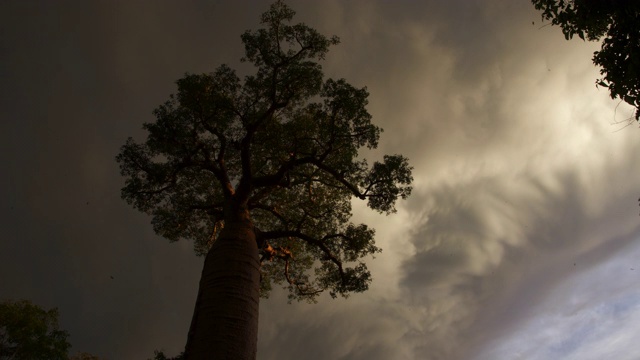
28	332
159	355
617	23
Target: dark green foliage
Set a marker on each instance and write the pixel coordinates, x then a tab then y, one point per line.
283	142
28	332
84	356
617	23
159	355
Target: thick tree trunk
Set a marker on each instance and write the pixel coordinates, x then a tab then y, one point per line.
225	319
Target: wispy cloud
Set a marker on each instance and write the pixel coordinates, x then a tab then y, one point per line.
591	315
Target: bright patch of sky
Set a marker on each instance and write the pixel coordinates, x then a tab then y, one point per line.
593	315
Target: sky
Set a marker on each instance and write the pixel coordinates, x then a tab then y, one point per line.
520	240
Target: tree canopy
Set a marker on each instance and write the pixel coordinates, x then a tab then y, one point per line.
28	332
281	143
159	355
617	23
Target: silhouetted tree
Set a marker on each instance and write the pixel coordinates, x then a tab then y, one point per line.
31	333
28	332
85	356
617	23
260	173
159	355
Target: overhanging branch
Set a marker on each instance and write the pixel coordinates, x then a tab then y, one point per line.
329	255
339	177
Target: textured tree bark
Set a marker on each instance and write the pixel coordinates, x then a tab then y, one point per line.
225	318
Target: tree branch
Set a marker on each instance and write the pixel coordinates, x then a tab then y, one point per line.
277	177
310	240
270	209
339	177
304	288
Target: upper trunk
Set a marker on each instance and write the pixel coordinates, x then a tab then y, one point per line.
225	319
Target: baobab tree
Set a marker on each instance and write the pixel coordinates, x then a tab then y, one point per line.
260	173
